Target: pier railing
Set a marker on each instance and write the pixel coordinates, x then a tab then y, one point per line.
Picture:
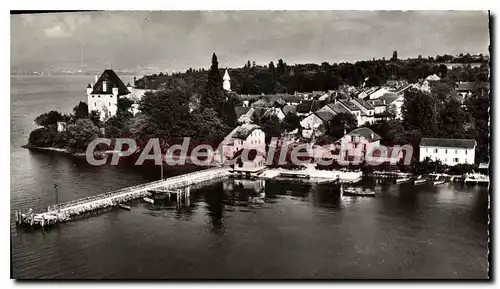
185	180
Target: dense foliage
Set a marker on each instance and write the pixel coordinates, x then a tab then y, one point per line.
279	78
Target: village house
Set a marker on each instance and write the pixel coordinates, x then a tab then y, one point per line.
425	85
248	161
380	109
334	108
353	109
394	104
275	111
244	136
358	142
314	121
307	107
449	151
465	89
373	93
366	108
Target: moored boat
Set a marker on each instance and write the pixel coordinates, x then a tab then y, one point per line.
124	206
148	200
357	192
402	181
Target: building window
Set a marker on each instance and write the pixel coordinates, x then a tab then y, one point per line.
98	96
92	96
445	151
456	151
110	104
426	150
465	151
95	104
455	160
436	151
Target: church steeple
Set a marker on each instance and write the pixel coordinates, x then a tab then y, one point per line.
227	81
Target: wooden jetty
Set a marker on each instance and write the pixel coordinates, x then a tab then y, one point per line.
65	211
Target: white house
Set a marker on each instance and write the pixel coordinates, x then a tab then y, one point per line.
245	136
373	93
394	103
449	151
358	142
366	108
358	113
103	95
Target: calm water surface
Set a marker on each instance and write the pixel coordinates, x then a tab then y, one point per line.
232	228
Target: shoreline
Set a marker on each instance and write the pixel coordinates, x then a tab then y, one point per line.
62	150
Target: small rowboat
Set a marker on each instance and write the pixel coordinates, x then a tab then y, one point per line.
419	182
148	200
438	183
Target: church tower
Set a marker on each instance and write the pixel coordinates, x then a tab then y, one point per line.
227	81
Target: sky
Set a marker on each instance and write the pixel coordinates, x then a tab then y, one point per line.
177	40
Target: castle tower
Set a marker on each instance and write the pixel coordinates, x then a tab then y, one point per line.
227	81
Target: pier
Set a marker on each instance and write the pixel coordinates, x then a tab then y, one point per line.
65	211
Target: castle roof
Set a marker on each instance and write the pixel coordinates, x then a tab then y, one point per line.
112	80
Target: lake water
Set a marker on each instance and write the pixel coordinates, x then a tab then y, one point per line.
299	231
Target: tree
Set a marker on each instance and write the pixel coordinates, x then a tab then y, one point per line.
42	137
80	134
49	118
291	122
452	121
281	67
81	110
341	124
167	112
207	126
272	68
271	126
228	114
442	71
419	112
95	118
214	95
